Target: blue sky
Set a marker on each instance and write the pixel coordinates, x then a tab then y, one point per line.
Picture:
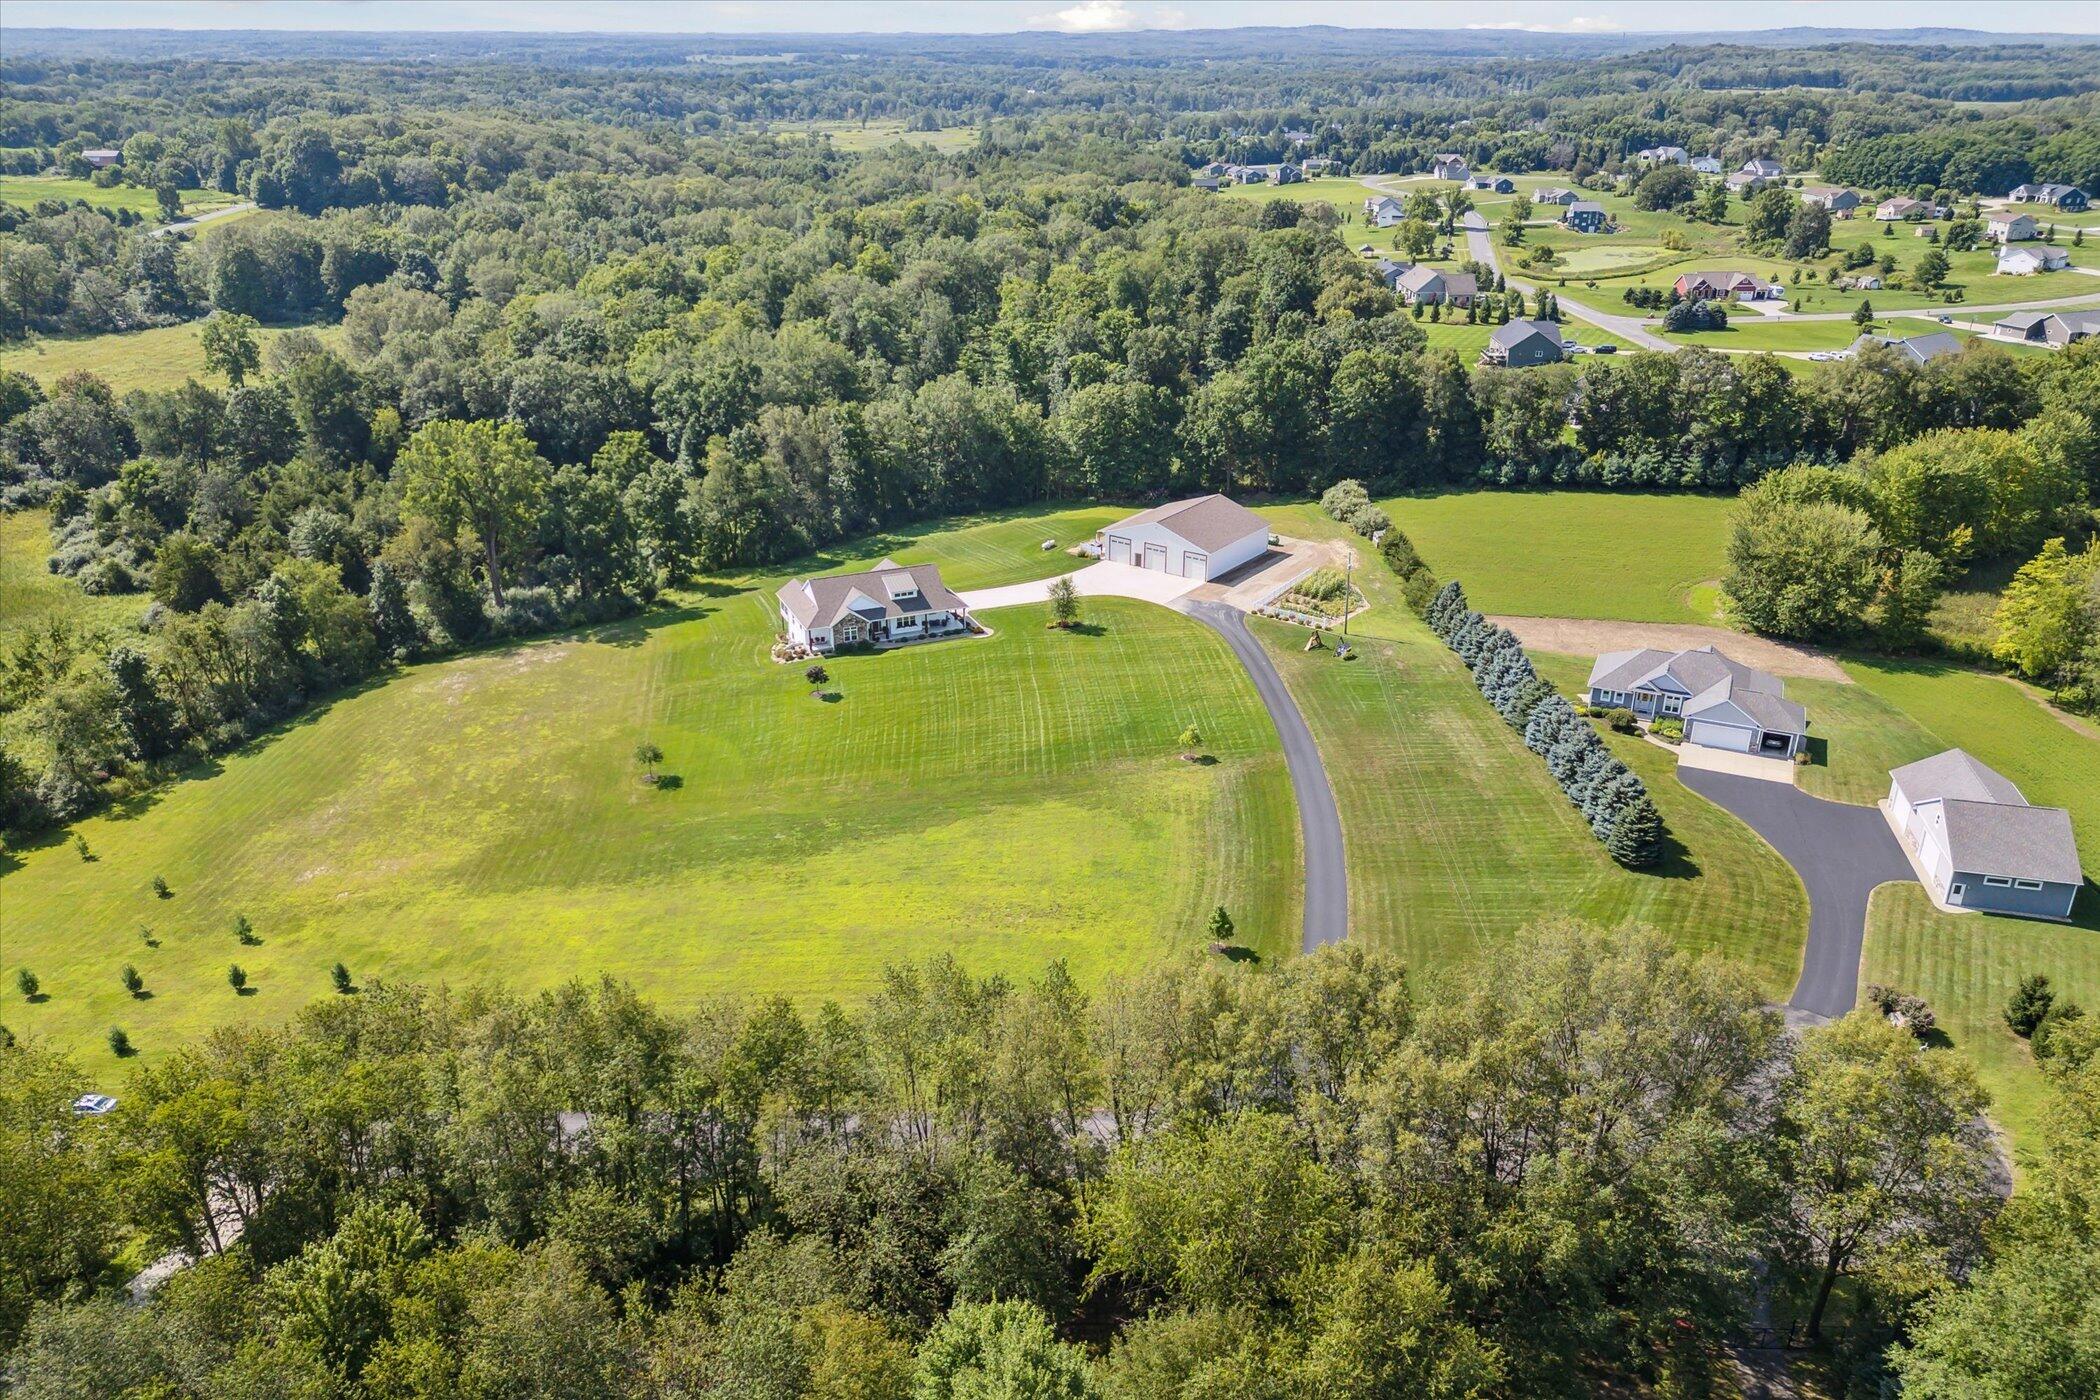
1076	16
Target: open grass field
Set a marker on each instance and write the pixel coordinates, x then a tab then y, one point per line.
1966	965
1560	553
1010	799
873	136
1458	836
1748	331
27	190
161	358
31	595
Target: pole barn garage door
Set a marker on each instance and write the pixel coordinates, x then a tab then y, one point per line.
1193	565
1118	550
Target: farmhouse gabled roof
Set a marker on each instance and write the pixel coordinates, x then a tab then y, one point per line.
1207	522
888	590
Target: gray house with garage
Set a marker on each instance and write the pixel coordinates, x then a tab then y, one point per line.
1980	843
1723	703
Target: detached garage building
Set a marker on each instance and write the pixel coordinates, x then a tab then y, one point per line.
1200	538
1980	843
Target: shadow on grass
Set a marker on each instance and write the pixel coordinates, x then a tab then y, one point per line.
668	782
1235	952
245	991
1674	861
1085	629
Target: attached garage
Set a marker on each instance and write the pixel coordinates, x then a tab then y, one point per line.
1205	537
1720	736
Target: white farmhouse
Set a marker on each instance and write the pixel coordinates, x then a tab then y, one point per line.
1201	538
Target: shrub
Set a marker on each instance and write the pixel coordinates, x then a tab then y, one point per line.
339	977
1670	731
1344	499
2029	1003
119	1043
1620	719
2060	1015
1369	520
133	983
236	976
161	890
28	984
1910	1012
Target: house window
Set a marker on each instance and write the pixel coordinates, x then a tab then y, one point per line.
1671	705
2027	884
849	633
1997	882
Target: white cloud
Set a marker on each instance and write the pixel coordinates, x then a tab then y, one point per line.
1093	17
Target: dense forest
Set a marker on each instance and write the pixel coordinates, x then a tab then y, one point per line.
528	334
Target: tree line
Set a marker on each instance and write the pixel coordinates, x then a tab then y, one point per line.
1532	1176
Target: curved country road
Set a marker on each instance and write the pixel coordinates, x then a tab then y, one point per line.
1319	823
1840	851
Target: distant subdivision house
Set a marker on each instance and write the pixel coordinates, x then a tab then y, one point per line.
1664	155
1200	538
102	158
1980	843
1890	211
1764	167
2048	327
1706	165
1384	211
2027	261
1917	349
1585	216
1449	166
888	605
1427	286
1839	201
1723	703
2008	226
1554	194
2068	198
1726	284
1521	344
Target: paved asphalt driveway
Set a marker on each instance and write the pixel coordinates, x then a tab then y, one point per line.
1841	853
1320	824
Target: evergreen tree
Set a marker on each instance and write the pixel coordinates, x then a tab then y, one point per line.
391	619
1636	837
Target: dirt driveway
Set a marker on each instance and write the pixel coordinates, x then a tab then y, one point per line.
1570	636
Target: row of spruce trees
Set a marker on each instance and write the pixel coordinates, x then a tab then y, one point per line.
1608	793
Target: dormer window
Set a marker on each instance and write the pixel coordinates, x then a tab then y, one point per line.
900	585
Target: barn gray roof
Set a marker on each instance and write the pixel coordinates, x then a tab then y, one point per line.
1207	522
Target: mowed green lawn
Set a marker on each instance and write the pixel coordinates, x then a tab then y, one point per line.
1468	341
1458	836
1562	553
160	358
26	191
1966	966
1009	800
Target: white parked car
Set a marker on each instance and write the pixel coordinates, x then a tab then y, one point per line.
93	1105
1821	355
